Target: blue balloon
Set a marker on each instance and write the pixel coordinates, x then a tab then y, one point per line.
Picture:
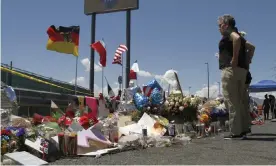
10	93
140	100
156	96
154	84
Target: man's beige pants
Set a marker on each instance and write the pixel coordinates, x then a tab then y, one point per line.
233	89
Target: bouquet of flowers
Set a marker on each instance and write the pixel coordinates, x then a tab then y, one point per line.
182	107
12	139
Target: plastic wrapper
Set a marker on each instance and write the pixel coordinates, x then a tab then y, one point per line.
129	141
181	140
126	107
48	130
5	117
163	142
156	96
129	92
21	122
163	121
140	100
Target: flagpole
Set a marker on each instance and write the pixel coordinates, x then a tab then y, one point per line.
102	79
76	75
137	75
103	72
122	71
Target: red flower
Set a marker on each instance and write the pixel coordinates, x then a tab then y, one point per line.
64	121
87	120
5	132
37	119
70	114
84	122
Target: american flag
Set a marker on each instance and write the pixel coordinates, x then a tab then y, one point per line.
118	54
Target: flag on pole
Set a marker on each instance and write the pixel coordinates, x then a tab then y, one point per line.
133	71
132	75
99	46
135	67
118	54
110	92
53	105
64	39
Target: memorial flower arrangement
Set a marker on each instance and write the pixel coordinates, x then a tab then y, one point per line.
12	138
181	107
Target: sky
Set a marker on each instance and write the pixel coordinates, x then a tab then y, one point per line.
178	34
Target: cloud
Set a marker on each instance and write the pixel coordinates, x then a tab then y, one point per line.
86	63
143	73
81	81
213	91
98	89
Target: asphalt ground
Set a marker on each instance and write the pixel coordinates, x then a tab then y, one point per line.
258	149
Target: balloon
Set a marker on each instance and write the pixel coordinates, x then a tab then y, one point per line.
140	100
154	84
156	96
150	86
131	91
10	93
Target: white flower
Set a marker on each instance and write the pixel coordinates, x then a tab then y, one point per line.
242	33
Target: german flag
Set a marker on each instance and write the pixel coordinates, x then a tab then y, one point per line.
64	39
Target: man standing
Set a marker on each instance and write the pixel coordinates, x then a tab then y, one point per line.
272	106
232	62
266	107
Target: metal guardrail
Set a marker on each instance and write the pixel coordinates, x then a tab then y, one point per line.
50	79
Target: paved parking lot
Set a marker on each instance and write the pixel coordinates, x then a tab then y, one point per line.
258	149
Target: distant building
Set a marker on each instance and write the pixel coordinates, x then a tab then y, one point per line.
35	97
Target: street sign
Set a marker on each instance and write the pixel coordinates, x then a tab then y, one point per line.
108	6
120	79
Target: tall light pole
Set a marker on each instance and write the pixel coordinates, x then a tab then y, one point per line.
207	64
190	91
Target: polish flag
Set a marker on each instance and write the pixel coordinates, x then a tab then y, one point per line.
99	46
133	71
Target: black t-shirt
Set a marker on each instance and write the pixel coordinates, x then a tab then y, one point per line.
226	53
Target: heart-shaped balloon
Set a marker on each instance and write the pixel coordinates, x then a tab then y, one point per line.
156	96
140	100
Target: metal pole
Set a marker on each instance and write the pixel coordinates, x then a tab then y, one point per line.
208	79
51	85
92	53
29	112
76	75
103	79
122	71
190	91
10	75
128	26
